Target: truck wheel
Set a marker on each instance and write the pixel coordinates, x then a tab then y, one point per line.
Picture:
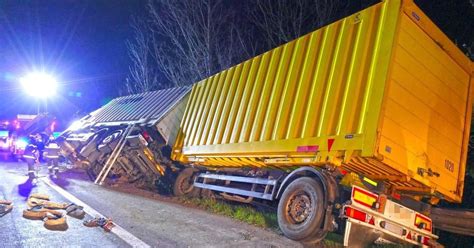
183	186
301	210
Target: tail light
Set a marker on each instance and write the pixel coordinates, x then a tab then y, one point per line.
396	196
146	135
418	238
364	197
359	215
423	222
342	171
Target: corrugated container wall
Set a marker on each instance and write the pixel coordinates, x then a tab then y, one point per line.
370	92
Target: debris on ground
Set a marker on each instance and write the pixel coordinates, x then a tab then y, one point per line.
53	219
5	207
43	200
105	223
53	214
75	211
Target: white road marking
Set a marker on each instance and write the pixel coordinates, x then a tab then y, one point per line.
117	230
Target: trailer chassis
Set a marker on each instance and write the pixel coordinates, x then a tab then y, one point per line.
363	216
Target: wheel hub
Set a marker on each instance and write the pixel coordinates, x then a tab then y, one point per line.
299	208
187	185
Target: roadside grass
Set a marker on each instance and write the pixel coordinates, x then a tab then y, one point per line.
254	216
249	214
244	213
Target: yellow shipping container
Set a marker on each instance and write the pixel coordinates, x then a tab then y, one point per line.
383	93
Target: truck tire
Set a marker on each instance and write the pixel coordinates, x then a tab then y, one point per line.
301	210
183	186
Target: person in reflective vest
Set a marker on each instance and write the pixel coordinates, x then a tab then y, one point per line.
52	157
31	157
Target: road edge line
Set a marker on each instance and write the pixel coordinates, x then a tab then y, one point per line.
117	230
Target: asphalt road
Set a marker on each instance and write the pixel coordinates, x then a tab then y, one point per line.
158	223
19	232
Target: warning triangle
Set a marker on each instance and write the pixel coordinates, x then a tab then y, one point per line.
330	142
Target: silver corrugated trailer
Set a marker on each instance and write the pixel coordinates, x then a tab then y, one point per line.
131	131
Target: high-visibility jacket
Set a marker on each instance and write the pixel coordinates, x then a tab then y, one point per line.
52	150
31	152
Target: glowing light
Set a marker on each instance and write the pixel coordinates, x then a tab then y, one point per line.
39	84
76	125
21	144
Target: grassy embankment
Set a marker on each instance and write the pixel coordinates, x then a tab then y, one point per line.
249	214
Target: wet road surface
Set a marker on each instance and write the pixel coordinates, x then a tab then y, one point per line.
155	223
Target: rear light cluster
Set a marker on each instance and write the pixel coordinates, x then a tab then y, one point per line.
418	238
146	135
393	228
364	197
423	222
359	215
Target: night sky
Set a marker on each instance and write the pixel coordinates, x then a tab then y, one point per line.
82	42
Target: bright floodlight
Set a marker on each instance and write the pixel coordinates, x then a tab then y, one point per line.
39	84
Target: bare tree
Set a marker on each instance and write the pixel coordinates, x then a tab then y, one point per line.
142	73
187	41
281	21
191	40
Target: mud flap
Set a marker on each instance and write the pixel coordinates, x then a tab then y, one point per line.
357	235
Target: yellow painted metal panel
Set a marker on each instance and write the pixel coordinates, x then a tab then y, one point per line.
303	92
233	81
200	106
412	113
314	106
372	93
235	104
254	98
185	121
259	115
408	163
212	109
412	39
271	116
244	103
191	111
204	116
287	99
215	131
310	87
418	142
330	104
430	29
424	123
432	93
377	75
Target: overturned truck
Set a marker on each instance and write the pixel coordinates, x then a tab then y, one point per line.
361	127
128	138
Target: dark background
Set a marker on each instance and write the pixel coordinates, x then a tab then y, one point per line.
83	43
